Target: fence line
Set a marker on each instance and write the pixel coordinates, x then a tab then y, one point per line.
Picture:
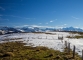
67	45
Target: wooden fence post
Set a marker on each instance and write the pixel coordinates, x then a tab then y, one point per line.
74	51
65	44
28	37
46	37
58	36
41	37
62	37
69	48
82	54
38	37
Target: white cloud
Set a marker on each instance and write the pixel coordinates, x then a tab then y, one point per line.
40	23
75	17
65	24
25	25
57	27
55	19
2	8
1	15
26	18
13	16
36	26
76	27
61	26
41	26
53	12
61	22
51	21
1	19
46	23
31	26
19	17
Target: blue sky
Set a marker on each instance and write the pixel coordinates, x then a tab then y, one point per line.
55	13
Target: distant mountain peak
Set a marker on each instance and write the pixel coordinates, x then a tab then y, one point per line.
38	29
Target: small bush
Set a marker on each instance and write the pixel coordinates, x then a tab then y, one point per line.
8	54
1	54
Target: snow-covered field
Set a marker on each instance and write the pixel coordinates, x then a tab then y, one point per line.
48	40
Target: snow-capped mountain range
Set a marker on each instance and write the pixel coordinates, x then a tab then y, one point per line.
37	29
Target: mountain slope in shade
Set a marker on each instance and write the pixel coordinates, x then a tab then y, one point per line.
9	30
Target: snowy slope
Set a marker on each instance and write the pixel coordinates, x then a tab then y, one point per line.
42	39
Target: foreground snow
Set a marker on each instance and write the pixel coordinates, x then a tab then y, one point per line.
42	39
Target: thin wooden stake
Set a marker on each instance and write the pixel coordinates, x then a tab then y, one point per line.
69	48
82	54
28	37
74	51
65	44
46	37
